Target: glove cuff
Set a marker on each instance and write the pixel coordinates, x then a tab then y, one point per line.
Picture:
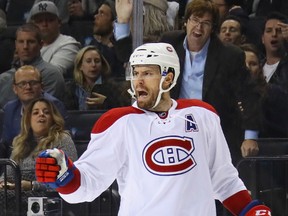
73	185
255	208
237	202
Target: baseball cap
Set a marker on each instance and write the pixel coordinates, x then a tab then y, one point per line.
43	7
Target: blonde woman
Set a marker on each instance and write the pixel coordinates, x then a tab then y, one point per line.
92	87
42	127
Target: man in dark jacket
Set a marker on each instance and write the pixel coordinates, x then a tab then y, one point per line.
210	71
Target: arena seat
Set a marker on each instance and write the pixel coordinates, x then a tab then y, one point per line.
82	122
272	146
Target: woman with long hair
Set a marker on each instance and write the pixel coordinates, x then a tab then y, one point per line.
42	127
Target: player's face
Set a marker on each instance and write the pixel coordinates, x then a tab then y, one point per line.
146	79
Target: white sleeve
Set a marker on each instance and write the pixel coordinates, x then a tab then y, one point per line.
224	176
99	164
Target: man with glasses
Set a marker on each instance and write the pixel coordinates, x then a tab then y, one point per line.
28	44
210	71
27	85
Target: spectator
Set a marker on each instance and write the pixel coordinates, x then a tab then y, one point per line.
232	31
62	6
155	20
27	85
28	44
212	72
42	127
84	9
7	44
92	87
154	13
103	31
163	148
58	49
252	58
274	39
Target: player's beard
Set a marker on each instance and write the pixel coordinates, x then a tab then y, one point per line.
149	103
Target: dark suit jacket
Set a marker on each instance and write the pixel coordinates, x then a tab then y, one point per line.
275	105
227	86
226	83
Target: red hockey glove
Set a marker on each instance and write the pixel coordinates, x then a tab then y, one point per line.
256	208
54	168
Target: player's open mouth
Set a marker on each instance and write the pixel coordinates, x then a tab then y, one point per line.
142	94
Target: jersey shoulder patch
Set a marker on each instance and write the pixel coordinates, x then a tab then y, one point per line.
111	116
184	103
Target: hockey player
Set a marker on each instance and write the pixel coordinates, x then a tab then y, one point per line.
169	157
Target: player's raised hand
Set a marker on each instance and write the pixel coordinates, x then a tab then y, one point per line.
54	168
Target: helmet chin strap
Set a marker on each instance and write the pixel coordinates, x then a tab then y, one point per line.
161	91
131	91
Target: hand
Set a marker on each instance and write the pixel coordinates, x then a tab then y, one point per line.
96	99
124	10
284	30
249	148
256	208
54	168
26	185
8	186
75	8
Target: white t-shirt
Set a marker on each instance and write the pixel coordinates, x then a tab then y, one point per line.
269	70
167	166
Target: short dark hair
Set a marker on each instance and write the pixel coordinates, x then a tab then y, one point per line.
243	27
200	7
275	15
111	4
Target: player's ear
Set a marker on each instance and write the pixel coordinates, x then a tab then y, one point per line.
168	80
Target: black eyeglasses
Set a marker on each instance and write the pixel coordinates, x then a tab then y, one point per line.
195	21
31	83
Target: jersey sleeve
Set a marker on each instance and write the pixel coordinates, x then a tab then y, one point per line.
101	162
224	175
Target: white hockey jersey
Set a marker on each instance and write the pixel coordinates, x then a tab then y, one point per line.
171	165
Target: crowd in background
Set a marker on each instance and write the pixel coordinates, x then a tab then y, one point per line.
76	53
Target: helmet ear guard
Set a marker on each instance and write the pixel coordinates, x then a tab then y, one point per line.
162	54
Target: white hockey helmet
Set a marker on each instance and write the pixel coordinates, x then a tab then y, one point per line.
162	54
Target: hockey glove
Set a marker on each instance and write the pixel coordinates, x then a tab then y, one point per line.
54	168
256	208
